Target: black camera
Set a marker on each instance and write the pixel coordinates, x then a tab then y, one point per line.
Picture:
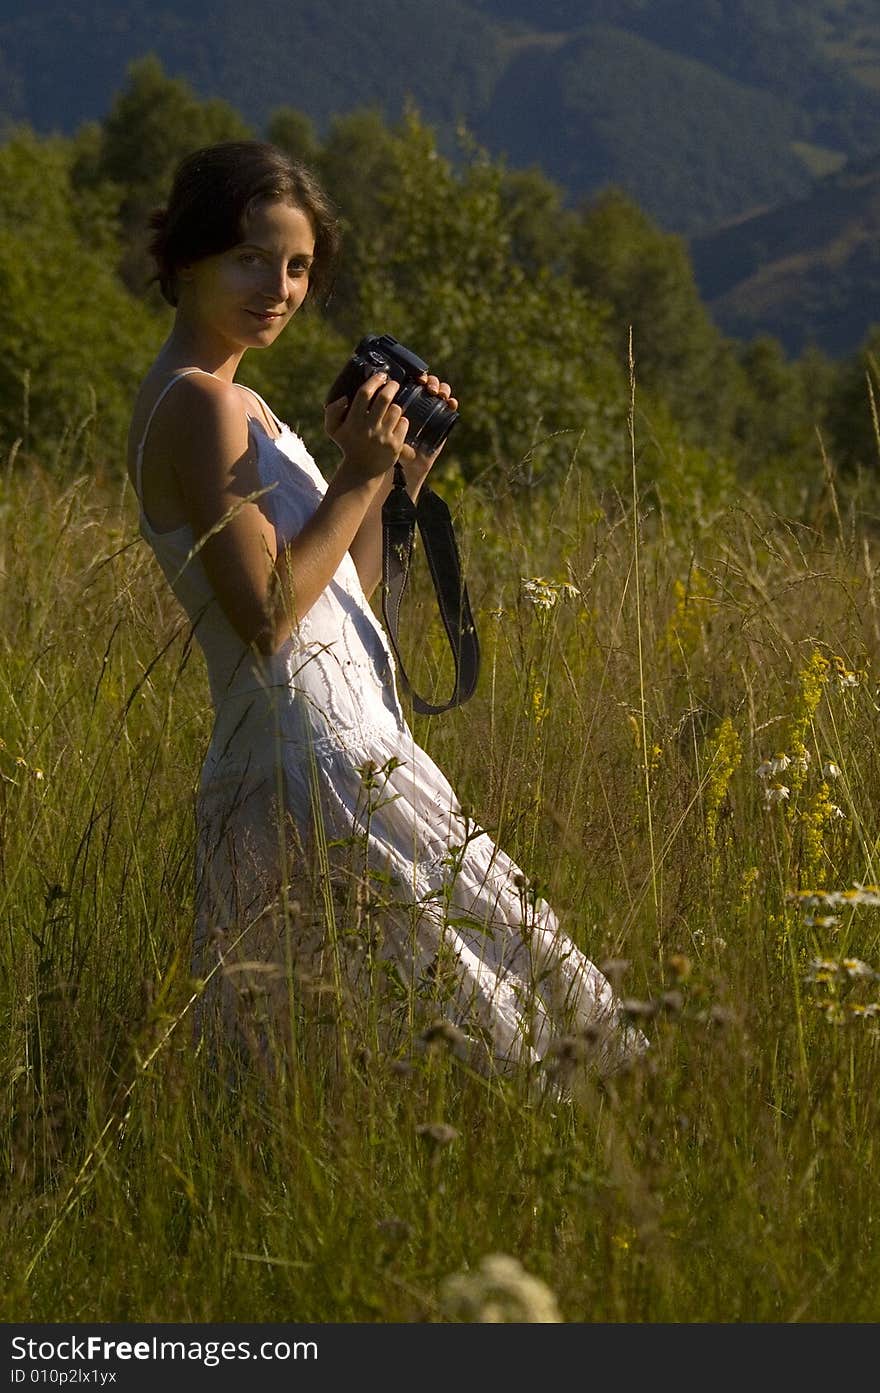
430	419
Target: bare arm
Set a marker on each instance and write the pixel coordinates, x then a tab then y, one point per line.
264	592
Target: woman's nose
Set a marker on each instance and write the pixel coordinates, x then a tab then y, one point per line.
277	284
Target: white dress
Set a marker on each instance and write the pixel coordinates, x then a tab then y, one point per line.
311	756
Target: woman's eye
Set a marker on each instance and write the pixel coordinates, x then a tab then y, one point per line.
248	258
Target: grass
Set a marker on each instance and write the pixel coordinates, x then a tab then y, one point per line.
612	748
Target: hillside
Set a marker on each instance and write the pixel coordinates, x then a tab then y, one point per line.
742	126
605	106
806	271
701	113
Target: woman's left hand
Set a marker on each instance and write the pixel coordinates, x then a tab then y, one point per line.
418	464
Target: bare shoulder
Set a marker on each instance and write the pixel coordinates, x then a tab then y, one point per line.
202	421
197	450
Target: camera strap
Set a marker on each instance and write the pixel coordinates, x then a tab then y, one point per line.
400	516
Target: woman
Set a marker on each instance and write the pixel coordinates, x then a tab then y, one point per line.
311	760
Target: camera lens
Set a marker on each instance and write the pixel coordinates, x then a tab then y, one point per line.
430	419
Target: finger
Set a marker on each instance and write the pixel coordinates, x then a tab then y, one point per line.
368	390
381	403
335	413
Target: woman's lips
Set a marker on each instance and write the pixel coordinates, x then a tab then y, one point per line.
266	316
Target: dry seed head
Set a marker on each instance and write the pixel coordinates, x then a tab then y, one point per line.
615	969
680	966
440	1133
672	1002
636	1010
442	1032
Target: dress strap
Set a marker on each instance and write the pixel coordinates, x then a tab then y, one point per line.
266	407
139	458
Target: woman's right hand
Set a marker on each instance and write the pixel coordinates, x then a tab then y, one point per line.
370	431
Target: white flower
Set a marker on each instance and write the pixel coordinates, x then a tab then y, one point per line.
854	967
775	793
835	811
539	592
822	921
830	770
775	765
499	1291
544	594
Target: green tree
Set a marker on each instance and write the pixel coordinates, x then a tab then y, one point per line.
153	123
293	131
74	341
645	275
854	408
541	228
528	354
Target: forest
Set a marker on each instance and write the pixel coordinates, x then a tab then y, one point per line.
525	303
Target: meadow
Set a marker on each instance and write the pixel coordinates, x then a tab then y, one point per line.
674	735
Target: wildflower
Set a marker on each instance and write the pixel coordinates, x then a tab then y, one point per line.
835	811
775	793
827	970
545	594
830	770
725	753
821	971
822	921
845	676
855	968
801	761
499	1291
832	1010
776	765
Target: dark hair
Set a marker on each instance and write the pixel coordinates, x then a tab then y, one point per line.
214	191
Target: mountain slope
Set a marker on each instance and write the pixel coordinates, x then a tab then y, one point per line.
805	272
605	106
676	101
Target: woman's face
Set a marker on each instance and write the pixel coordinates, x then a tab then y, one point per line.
243	297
